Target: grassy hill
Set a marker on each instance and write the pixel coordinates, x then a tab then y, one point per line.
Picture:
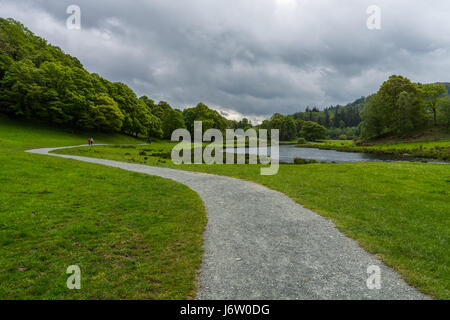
133	236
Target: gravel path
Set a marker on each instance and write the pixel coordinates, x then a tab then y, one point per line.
260	244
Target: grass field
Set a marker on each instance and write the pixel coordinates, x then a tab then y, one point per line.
400	211
133	236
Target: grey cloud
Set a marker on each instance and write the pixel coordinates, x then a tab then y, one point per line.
248	57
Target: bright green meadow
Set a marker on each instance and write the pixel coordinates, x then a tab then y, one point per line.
133	236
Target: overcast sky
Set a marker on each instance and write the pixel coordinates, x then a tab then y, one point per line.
250	57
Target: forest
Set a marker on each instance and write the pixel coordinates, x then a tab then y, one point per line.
40	81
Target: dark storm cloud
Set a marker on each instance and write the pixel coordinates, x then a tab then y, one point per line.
251	57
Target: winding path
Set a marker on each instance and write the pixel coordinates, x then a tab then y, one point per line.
260	244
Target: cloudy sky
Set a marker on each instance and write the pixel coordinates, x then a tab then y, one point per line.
248	57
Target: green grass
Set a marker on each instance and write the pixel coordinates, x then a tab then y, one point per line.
404	145
288	142
400	211
133	236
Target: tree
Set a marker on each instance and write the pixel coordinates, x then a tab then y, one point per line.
135	111
209	118
327	121
154	126
396	109
244	124
15	89
172	120
313	131
443	106
287	126
404	120
38	80
432	92
390	93
159	109
106	115
288	130
148	102
298	125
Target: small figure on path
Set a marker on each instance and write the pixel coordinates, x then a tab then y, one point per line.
149	141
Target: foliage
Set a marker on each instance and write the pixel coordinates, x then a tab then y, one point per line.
397	109
313	131
334	116
432	92
106	115
289	128
172	120
347	133
443	106
304	161
39	81
210	118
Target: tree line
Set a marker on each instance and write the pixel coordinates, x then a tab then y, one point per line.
40	81
400	108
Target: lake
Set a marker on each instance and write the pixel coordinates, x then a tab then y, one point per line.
289	152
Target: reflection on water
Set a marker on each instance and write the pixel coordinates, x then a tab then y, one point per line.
289	153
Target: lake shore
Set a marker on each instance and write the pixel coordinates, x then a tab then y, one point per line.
438	150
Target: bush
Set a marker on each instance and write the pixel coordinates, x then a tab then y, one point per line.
301	141
304	161
313	131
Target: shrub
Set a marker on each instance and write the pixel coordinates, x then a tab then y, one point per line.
313	131
304	161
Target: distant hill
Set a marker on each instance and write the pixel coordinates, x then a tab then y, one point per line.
335	116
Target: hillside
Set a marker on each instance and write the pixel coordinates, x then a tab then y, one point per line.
40	81
335	116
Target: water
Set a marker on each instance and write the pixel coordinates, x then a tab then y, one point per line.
289	153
